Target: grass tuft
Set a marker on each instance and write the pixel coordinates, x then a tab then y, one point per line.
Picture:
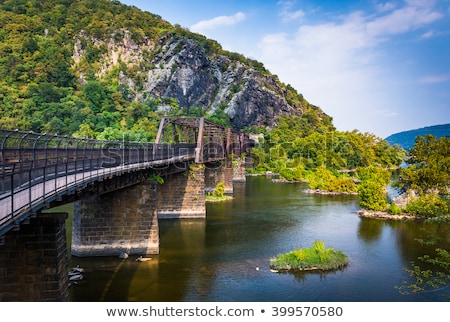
318	257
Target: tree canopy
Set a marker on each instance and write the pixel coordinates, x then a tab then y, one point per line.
428	168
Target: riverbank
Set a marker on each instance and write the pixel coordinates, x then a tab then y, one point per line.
209	198
328	193
385	215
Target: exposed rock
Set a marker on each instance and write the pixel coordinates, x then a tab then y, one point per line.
178	67
384	215
326	192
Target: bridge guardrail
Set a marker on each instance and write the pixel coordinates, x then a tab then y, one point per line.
37	167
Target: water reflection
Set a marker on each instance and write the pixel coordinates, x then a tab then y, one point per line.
225	257
370	230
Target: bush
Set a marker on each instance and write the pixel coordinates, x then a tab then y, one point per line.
430	205
394	209
324	179
372	195
219	192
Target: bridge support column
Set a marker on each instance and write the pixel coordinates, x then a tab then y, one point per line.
219	172
239	169
34	261
120	221
182	195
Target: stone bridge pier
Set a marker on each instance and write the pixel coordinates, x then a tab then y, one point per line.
34	261
34	258
126	220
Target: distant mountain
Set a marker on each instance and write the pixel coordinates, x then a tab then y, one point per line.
406	139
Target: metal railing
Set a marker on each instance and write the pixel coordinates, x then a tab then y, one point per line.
37	168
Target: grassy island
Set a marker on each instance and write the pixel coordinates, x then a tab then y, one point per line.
306	259
218	194
211	198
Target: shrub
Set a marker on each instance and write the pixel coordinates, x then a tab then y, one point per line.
430	205
219	192
325	179
372	195
394	209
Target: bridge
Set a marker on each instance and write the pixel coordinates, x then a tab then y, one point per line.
113	184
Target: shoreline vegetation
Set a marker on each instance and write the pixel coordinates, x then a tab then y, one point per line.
327	192
386	215
395	210
316	258
218	194
211	198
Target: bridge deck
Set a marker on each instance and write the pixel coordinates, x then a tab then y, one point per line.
27	200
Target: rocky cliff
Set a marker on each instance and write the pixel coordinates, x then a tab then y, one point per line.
178	67
97	68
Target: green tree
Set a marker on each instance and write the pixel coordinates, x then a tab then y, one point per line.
372	188
428	167
427	174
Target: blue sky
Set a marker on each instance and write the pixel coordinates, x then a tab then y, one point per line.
376	66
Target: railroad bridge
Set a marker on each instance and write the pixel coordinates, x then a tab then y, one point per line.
120	190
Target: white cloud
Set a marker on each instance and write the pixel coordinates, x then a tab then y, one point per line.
433	79
427	35
387	113
218	22
339	65
287	14
402	20
386	6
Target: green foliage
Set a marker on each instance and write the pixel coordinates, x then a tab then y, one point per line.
430	205
428	168
39	89
312	144
157	178
318	257
375	173
218	194
219	191
394	209
372	195
429	272
372	189
427	179
219	117
324	179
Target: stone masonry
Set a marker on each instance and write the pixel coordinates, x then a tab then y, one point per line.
34	261
182	195
120	221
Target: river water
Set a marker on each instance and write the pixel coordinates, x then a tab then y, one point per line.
225	257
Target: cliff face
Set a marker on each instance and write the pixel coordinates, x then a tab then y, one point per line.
179	68
98	68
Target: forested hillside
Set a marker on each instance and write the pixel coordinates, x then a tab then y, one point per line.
98	68
406	139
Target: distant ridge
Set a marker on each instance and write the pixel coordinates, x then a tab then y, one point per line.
406	139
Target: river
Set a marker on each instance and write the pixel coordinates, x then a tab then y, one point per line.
225	257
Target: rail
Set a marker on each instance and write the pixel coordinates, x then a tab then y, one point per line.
37	168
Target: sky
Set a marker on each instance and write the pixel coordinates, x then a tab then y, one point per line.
374	66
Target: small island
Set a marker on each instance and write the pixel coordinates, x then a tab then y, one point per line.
218	194
318	257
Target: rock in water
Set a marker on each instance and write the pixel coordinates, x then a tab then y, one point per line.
143	259
123	255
